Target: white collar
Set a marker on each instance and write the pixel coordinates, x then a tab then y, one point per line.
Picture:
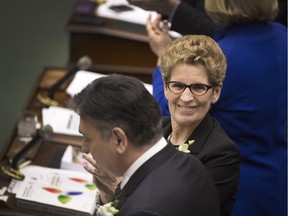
142	159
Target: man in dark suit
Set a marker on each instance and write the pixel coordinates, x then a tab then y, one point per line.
189	16
121	124
185	16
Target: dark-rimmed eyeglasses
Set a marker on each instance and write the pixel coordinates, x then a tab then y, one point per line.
197	89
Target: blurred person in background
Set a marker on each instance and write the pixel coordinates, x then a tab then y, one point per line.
185	16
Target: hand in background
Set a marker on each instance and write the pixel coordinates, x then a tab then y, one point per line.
105	183
158	38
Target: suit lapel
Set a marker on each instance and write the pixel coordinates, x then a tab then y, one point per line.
200	134
161	157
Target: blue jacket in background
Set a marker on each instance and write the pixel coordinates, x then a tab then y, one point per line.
252	109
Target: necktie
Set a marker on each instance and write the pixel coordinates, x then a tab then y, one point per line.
117	191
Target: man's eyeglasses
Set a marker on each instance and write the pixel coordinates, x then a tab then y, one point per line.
196	89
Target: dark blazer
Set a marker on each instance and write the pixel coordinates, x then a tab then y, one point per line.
191	18
220	156
170	183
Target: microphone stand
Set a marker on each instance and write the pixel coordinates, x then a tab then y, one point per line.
83	64
12	169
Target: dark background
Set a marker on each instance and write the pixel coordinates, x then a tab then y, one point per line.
32	36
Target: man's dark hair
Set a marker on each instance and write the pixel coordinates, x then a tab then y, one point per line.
121	101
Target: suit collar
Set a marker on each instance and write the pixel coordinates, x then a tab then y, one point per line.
142	159
200	134
161	157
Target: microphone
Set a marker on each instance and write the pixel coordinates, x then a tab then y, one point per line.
42	134
83	64
13	170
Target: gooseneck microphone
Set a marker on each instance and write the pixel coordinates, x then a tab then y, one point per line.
43	133
12	169
83	64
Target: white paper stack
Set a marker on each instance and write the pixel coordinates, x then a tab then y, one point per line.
62	120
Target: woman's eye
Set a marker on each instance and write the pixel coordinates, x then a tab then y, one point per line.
178	86
199	87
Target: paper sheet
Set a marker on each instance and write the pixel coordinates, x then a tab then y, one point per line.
62	120
83	78
137	15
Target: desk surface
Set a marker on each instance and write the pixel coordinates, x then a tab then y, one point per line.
108	41
83	19
49	152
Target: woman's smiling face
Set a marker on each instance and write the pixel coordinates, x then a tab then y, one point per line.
186	108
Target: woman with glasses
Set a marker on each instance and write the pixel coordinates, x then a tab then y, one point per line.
252	108
193	68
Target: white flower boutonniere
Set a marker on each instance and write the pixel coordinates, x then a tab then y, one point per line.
109	209
184	147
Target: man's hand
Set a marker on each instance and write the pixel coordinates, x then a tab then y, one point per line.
106	184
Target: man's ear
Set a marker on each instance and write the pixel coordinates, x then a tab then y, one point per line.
121	140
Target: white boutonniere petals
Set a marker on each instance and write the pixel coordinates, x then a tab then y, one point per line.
184	146
107	210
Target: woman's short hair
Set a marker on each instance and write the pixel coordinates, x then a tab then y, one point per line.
195	50
227	12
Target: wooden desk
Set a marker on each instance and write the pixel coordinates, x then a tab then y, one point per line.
110	42
49	152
